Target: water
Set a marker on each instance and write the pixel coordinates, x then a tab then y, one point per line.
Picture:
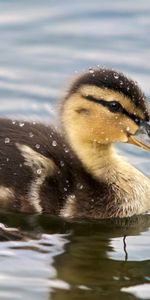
44	43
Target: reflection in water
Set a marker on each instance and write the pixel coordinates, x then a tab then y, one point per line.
131	249
76	262
141	291
125	248
27	270
86	263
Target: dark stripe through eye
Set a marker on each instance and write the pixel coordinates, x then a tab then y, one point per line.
115	107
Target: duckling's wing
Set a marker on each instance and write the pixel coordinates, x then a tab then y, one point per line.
36	161
29	166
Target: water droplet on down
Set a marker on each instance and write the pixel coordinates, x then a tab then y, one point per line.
39	171
54	143
91	70
116	76
31	134
7	140
21	124
37	146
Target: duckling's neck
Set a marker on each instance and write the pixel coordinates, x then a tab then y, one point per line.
128	184
95	157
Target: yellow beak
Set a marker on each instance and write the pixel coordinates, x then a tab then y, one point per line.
134	141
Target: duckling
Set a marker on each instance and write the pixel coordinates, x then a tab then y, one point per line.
74	171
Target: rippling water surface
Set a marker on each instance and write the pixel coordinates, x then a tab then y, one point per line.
42	44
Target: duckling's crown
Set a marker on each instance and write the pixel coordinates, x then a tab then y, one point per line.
110	79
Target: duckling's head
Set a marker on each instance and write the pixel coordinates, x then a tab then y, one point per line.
103	106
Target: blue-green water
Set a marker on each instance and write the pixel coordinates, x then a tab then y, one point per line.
42	44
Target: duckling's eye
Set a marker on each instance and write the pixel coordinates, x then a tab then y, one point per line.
114	106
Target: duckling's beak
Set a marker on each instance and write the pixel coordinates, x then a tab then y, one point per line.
143	133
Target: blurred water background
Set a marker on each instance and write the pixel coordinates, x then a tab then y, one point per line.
42	44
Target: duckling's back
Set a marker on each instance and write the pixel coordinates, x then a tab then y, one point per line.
34	167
